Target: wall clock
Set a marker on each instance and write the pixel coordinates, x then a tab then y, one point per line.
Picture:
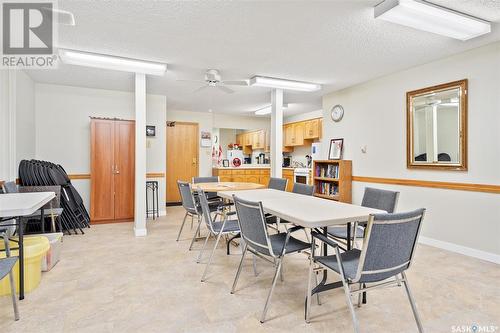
337	113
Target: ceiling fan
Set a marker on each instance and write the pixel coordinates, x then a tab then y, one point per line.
214	79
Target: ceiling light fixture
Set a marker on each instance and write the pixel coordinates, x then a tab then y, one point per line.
80	58
267	110
271	82
429	17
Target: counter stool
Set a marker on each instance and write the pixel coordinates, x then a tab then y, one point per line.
155	211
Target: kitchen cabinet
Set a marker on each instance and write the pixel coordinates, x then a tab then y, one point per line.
311	129
247	175
288	134
293	134
259	139
288	174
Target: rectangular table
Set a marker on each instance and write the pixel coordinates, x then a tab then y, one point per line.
16	205
308	212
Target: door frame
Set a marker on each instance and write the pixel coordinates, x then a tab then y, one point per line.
166	153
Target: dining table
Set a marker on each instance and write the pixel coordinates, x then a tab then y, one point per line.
13	206
226	186
308	212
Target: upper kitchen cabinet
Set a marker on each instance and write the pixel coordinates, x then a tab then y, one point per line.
312	129
293	134
259	139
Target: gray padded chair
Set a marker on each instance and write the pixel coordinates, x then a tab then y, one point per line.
386	254
271	248
213	179
217	229
277	183
188	203
6	266
372	198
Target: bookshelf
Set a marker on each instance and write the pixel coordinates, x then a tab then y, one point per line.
332	179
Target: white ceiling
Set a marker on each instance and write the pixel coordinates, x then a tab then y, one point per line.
334	43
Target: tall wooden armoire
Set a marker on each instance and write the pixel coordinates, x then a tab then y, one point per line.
112	171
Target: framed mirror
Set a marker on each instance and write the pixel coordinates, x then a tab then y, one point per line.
436	133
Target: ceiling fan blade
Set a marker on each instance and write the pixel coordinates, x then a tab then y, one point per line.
226	89
235	83
200	89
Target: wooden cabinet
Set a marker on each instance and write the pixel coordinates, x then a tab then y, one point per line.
293	134
288	174
259	140
288	134
333	179
249	175
311	130
112	173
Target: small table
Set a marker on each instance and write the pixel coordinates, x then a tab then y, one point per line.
226	186
15	205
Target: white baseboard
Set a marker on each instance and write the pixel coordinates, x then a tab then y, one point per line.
495	258
140	232
163	212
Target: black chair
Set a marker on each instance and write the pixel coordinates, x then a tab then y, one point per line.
376	263
271	248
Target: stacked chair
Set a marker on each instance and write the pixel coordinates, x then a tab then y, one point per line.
42	173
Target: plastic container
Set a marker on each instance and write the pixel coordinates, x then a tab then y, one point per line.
53	255
34	250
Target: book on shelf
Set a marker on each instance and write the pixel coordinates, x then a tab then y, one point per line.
328	189
327	171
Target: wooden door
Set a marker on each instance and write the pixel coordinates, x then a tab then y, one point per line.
124	175
102	183
182	156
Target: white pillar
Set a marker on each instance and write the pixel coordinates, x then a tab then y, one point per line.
140	155
276	132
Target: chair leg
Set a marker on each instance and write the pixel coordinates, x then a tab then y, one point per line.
192	218
347	292
239	269
317	294
282	278
268	301
360	296
182	226
203	278
309	289
195	234
254	264
203	248
14	297
412	303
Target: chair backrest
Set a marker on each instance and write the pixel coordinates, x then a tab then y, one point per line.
55	203
277	183
389	245
380	199
253	227
10	187
213	179
205	209
303	189
187	197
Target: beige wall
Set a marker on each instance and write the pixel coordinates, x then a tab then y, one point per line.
375	117
63	127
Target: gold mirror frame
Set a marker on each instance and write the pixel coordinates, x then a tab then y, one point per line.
462	165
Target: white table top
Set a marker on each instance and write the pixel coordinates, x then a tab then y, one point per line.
304	210
22	204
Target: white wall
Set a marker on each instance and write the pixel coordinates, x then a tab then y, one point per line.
207	121
25	117
63	127
375	116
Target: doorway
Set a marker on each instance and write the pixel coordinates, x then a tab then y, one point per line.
182	156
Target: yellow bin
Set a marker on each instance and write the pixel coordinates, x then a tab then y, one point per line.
34	250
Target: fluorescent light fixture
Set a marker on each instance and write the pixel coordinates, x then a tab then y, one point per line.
267	110
429	17
88	59
270	82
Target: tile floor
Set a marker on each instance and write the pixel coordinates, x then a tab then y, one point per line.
110	281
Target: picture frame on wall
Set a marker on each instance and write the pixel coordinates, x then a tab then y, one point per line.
336	149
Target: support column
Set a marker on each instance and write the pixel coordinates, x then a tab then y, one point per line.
276	132
140	155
